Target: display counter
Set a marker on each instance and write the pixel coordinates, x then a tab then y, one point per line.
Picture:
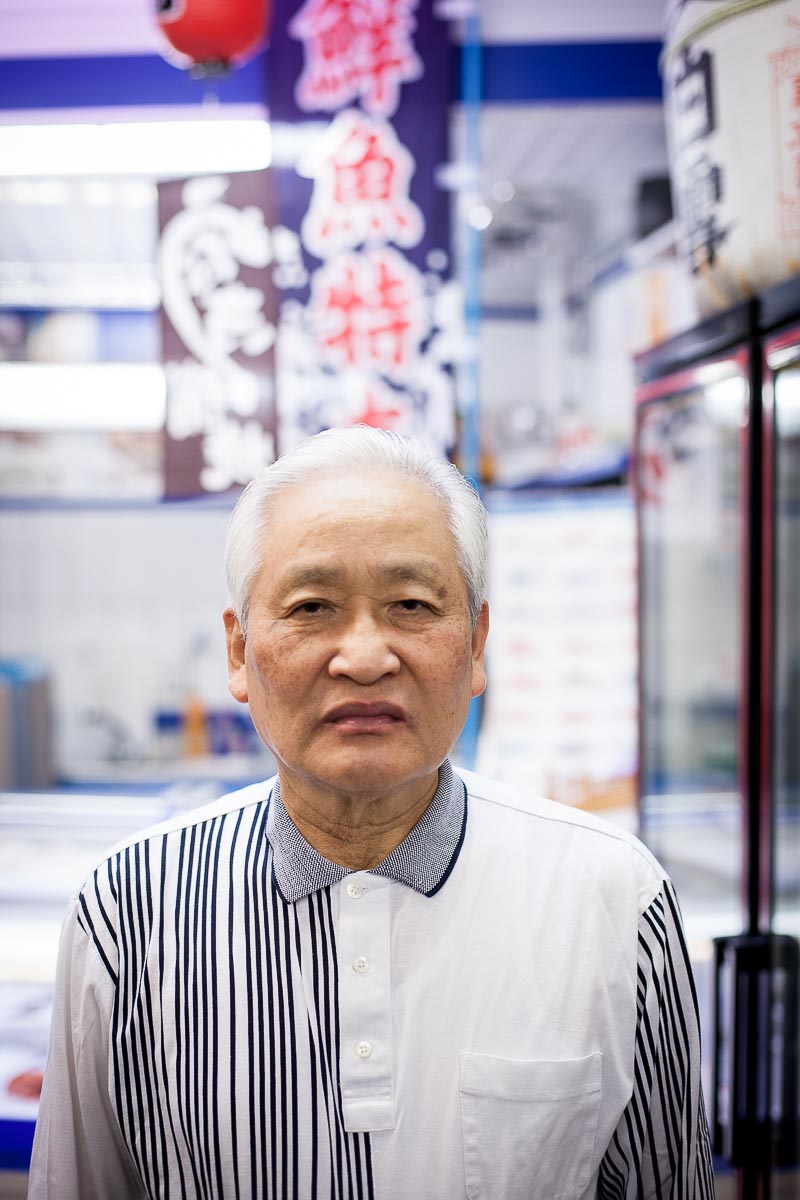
49	843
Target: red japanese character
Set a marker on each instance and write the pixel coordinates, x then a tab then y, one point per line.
382	409
355	49
369	311
362	175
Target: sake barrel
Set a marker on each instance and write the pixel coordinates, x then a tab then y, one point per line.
731	71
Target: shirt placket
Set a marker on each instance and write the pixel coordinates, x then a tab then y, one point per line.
365	1002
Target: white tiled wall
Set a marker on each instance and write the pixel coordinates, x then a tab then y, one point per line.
125	607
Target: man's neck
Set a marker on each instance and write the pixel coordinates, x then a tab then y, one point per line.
356	832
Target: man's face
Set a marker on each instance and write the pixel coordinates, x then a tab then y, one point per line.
360	659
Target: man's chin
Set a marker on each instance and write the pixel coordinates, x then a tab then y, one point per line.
367	776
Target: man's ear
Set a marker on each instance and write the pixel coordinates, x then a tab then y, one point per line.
237	671
479	635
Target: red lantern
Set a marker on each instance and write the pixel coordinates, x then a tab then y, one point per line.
212	34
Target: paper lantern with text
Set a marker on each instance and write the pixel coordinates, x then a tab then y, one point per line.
213	35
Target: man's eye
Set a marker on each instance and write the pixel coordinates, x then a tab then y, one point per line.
309	608
413	605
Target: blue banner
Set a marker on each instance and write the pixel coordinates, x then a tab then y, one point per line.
370	319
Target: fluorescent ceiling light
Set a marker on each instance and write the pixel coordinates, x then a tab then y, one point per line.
157	149
290	142
52	396
57	287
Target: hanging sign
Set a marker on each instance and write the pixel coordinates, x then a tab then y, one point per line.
370	331
218	320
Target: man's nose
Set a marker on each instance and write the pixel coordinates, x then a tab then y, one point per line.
364	652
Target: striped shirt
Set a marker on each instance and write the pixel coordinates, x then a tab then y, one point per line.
503	1008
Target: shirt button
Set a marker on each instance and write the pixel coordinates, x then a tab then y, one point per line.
361	964
355	889
363	1049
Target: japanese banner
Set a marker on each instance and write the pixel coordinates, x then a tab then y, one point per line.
217	257
370	321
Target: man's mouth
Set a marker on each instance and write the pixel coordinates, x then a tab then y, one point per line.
364	716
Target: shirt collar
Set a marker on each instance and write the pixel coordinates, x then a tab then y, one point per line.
422	861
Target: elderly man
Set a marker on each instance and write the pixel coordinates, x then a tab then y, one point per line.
374	976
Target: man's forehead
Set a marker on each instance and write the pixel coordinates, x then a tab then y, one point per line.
348	503
318	530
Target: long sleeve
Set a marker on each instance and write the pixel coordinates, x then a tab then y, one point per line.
78	1150
661	1145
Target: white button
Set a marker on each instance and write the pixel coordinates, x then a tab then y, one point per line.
363	1049
361	964
355	889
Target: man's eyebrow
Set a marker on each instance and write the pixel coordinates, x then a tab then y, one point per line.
421	572
312	576
319	575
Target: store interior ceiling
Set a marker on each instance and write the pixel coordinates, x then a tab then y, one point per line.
572	208
556	201
76	27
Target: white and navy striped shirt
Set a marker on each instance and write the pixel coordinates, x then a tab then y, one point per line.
502	1009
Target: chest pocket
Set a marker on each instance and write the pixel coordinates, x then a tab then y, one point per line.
528	1126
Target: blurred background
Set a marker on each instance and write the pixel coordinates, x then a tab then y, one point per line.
561	244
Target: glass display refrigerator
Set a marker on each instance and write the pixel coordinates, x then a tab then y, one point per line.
716	475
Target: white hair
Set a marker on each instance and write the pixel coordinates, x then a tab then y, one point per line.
357	449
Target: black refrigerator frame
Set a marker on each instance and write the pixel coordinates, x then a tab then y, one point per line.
758	337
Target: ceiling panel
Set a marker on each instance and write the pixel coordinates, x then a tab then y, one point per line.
42	28
73	28
576	173
570	20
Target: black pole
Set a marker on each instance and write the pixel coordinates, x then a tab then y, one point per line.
753	831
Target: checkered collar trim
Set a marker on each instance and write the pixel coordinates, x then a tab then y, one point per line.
422	861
